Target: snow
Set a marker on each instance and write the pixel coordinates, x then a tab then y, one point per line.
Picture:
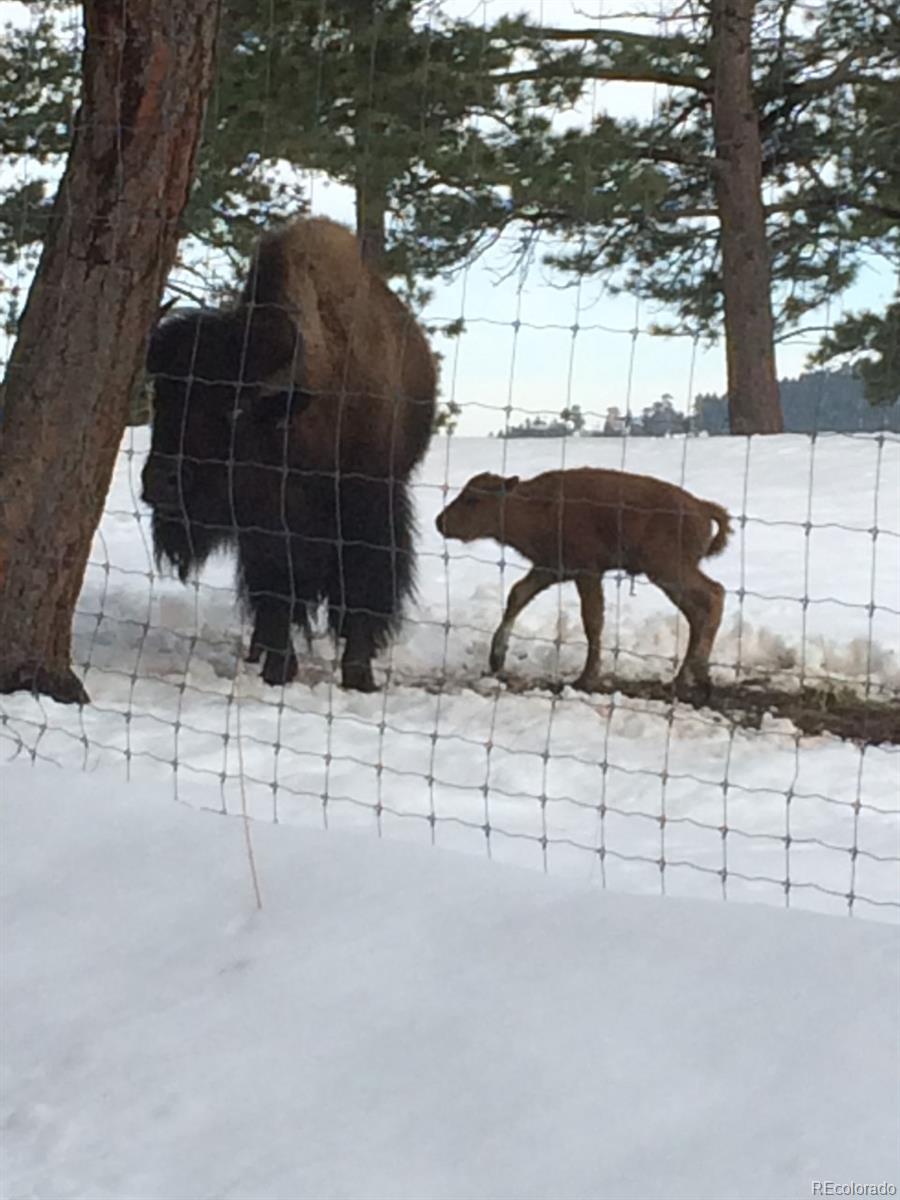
628	794
401	1021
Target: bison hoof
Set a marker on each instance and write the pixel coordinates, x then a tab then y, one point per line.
279	669
358	677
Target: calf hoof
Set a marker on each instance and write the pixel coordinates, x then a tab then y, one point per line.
358	677
497	659
693	686
279	669
254	654
587	683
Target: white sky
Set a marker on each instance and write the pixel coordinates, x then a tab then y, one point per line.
544	366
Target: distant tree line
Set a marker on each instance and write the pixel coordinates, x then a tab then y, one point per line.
816	402
657	420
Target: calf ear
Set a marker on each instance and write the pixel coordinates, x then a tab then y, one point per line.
510	482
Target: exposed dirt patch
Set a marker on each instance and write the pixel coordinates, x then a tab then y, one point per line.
814	710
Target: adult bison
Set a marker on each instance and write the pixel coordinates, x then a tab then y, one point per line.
288	425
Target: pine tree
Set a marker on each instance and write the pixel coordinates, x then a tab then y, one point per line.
447	418
83	333
444	130
870	342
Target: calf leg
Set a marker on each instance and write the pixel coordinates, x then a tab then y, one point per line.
697	665
590	592
701	600
535	582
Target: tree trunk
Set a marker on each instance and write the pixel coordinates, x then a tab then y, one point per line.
366	24
754	404
146	73
371	211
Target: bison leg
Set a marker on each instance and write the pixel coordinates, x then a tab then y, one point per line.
590	591
521	594
269	584
272	641
359	650
372	572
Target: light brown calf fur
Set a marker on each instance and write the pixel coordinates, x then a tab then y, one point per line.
575	525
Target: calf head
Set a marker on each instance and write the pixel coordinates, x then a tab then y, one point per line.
218	413
477	512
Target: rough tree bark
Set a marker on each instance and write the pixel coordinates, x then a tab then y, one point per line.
371	212
366	22
146	72
754	404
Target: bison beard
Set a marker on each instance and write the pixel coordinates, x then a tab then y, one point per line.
287	427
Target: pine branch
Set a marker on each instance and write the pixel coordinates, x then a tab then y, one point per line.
609	74
603	41
841	75
645	41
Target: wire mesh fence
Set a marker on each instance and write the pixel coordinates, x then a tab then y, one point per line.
778	784
626	786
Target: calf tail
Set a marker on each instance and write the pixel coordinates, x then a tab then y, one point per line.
720	516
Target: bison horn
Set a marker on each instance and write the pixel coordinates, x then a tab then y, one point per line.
166	308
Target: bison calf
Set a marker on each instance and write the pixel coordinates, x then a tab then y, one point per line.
576	525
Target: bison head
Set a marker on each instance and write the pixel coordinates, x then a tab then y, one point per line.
218	413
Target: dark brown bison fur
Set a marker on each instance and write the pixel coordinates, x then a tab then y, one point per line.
287	426
578	524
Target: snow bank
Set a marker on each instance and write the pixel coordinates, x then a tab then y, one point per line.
633	795
405	1023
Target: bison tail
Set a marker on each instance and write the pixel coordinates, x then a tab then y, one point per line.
722	519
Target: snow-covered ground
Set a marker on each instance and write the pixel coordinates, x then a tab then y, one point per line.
402	1022
633	795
